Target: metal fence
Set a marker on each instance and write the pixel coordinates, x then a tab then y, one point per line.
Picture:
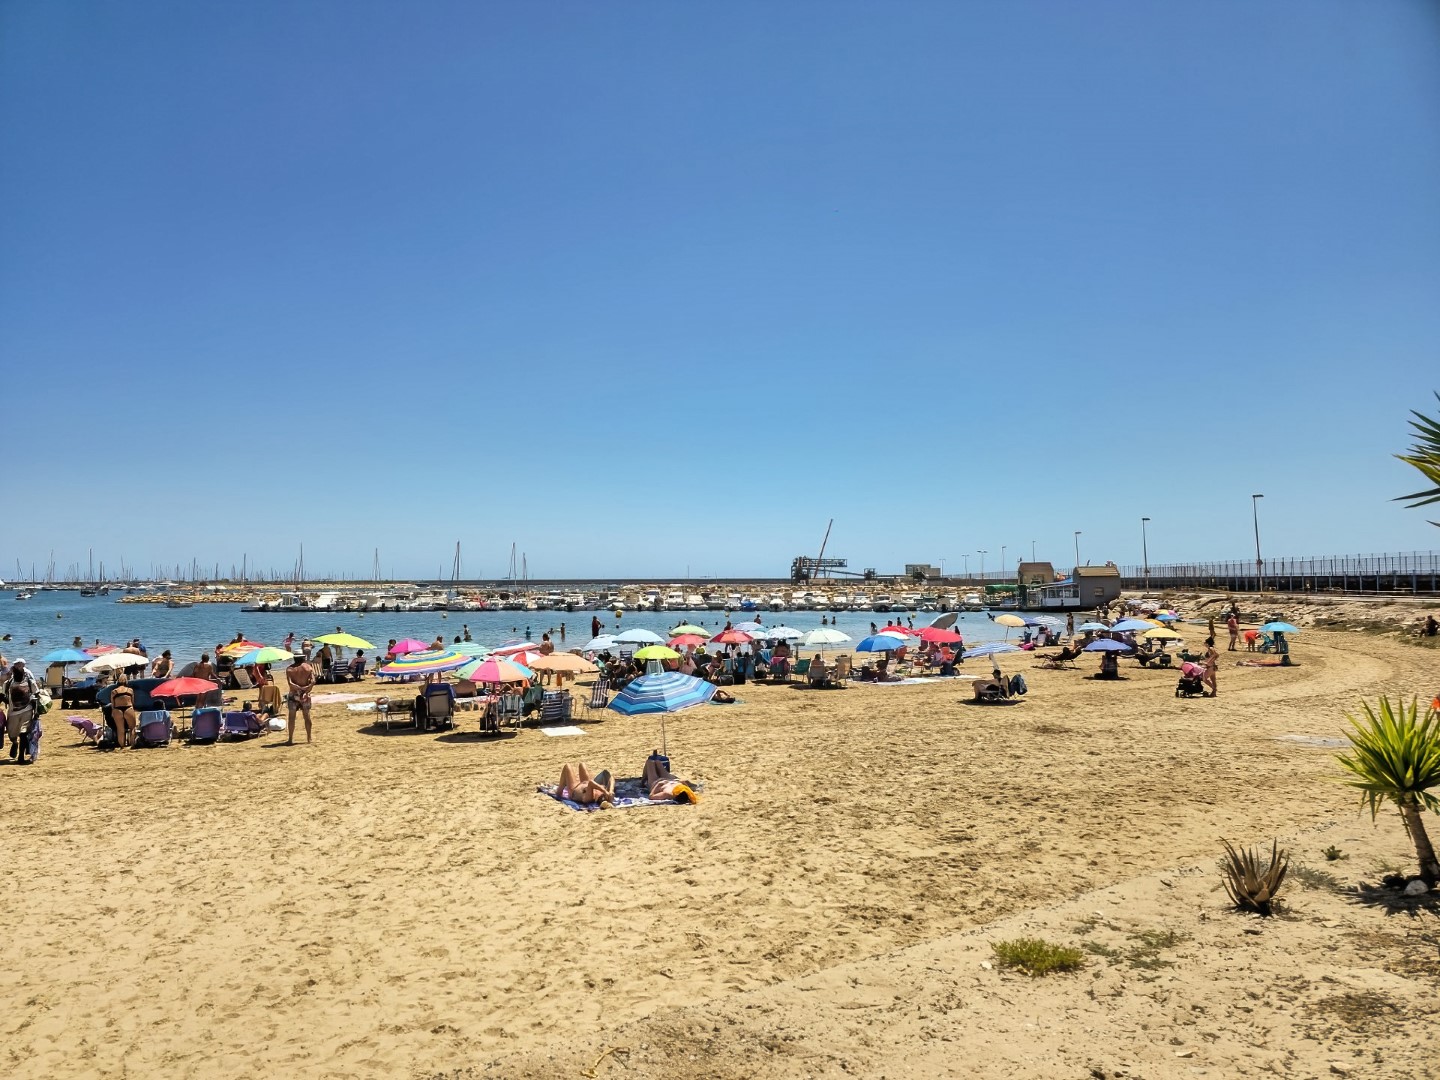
1416	572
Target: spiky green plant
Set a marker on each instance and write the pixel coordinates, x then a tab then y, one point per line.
1394	756
1425	456
1251	886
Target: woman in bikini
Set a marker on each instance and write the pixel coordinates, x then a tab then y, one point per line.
663	784
1211	662
122	712
577	785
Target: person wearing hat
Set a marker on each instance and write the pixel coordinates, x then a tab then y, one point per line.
18	693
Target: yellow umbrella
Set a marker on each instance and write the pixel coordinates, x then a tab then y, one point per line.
564	661
1161	633
345	641
1009	620
656	652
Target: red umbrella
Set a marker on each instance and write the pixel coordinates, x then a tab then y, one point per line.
681	640
944	637
732	637
185	687
896	628
101	650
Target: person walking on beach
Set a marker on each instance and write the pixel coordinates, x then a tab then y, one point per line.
1212	664
301	679
18	694
1070	626
1233	625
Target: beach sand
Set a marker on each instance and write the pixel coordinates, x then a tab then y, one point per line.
407	905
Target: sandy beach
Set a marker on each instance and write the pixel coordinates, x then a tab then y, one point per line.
406	904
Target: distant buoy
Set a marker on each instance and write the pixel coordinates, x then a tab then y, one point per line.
58	615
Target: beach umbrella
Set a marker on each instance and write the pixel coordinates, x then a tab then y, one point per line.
732	637
1107	645
268	654
1092	626
346	641
663	692
990	648
513	648
656	652
100	650
494	670
682	640
781	633
470	648
66	656
940	635
1167	616
116	661
564	661
1008	619
1049	621
239	648
879	643
824	636
944	622
1279	628
689	629
896	628
748	627
1124	626
599	644
1161	633
409	645
185	687
639	637
425	663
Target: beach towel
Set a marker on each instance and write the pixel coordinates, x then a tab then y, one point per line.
331	699
363	706
560	731
628	794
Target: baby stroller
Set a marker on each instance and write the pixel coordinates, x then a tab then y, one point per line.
1190	684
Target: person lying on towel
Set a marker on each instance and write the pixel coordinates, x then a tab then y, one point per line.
663	784
578	785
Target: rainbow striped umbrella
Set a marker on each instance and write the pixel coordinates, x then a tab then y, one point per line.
267	654
494	670
664	692
425	663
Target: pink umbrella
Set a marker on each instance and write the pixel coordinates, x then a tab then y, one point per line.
495	671
515	649
681	640
944	637
410	645
732	637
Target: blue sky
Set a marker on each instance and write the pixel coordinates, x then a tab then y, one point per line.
691	279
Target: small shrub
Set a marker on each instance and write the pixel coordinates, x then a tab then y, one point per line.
1334	854
1251	885
1037	957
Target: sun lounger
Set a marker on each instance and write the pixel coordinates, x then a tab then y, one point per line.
395	710
241	675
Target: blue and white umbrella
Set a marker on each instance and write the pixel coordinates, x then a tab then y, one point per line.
639	637
1279	628
1091	626
1049	621
1107	645
665	692
990	648
749	627
780	633
823	636
599	644
1166	616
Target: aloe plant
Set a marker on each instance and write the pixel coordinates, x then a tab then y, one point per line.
1394	757
1253	887
1424	456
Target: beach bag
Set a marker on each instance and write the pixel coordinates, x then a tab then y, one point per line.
1017	684
43	702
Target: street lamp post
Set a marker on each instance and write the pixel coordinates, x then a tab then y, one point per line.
1145	552
966	557
1002	559
1032	550
1077	547
1259	565
982	565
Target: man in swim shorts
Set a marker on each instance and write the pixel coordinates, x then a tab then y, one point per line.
301	679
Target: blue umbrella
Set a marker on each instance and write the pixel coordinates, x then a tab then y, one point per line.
1279	628
990	648
1092	626
1125	625
1107	645
880	643
665	692
1166	617
66	656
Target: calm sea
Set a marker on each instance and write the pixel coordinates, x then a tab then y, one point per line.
55	619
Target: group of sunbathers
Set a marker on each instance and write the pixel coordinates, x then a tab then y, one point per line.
579	784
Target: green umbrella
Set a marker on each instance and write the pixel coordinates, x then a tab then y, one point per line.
267	655
345	641
690	628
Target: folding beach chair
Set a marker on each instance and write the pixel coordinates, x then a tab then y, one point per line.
840	674
88	730
394	710
599	699
154	729
511	710
205	725
555	708
240	725
439	708
801	670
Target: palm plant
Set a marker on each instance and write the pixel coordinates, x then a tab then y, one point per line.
1425	456
1394	757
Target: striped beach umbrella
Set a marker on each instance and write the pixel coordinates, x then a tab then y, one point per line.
990	648
494	669
664	692
266	655
471	648
425	663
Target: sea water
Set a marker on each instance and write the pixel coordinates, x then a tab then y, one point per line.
56	618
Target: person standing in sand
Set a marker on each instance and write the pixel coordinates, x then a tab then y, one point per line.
1233	625
1212	664
301	679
